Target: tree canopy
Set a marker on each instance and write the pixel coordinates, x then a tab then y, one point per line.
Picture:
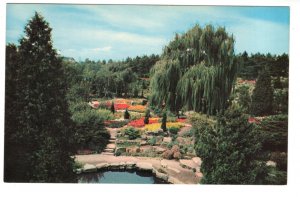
197	71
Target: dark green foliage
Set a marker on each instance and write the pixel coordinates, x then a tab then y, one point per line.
164	122
112	107
126	115
173	130
281	98
229	149
275	131
244	98
152	141
276	177
132	133
117	124
147	116
89	130
262	98
38	139
197	71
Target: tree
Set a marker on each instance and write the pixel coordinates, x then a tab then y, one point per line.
244	98
147	116
229	147
112	107
42	137
197	71
262	98
164	122
126	114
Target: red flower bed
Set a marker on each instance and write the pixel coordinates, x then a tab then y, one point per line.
181	119
118	106
137	123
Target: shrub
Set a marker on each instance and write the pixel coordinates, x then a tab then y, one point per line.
115	123
112	107
132	133
147	116
173	130
106	114
164	122
126	114
152	141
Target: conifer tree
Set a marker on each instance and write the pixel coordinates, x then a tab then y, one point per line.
112	107
126	114
262	98
229	148
43	134
147	116
164	122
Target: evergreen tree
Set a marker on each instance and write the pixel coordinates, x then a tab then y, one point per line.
43	135
164	122
126	114
229	147
112	107
262	98
147	116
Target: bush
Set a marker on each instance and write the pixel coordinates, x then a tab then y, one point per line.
173	130
147	116
281	160
116	124
132	133
105	114
152	141
126	114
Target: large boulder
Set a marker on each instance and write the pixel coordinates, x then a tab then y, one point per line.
197	160
89	168
130	165
100	166
144	166
159	150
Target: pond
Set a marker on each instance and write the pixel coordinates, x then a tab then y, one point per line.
121	177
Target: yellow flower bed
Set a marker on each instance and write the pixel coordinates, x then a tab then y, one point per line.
137	108
156	126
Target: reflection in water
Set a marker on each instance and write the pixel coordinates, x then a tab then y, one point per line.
134	177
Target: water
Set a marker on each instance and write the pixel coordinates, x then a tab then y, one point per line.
121	177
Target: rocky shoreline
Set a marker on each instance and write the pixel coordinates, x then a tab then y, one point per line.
171	171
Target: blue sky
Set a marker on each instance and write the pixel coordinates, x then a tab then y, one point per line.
115	32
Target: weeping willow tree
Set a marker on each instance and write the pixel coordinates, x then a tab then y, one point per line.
197	71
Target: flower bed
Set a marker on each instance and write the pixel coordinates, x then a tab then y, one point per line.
137	108
137	123
181	120
118	106
156	126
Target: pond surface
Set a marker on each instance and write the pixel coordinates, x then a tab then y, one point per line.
122	177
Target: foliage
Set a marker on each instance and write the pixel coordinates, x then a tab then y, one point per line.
147	116
229	149
275	131
115	123
262	98
197	71
126	114
281	160
38	134
164	122
152	141
89	130
280	103
112	107
173	130
244	98
105	114
132	133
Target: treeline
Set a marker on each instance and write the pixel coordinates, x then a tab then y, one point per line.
251	65
128	78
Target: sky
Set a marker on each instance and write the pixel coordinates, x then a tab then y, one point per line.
103	32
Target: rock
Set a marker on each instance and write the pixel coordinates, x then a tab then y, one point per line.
122	165
89	168
180	140
197	160
130	165
114	166
143	143
100	166
271	163
167	139
188	164
177	155
161	176
174	180
144	166
159	150
173	169
144	137
111	146
163	163
78	171
198	174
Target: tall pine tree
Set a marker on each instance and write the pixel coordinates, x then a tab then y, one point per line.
262	98
43	136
